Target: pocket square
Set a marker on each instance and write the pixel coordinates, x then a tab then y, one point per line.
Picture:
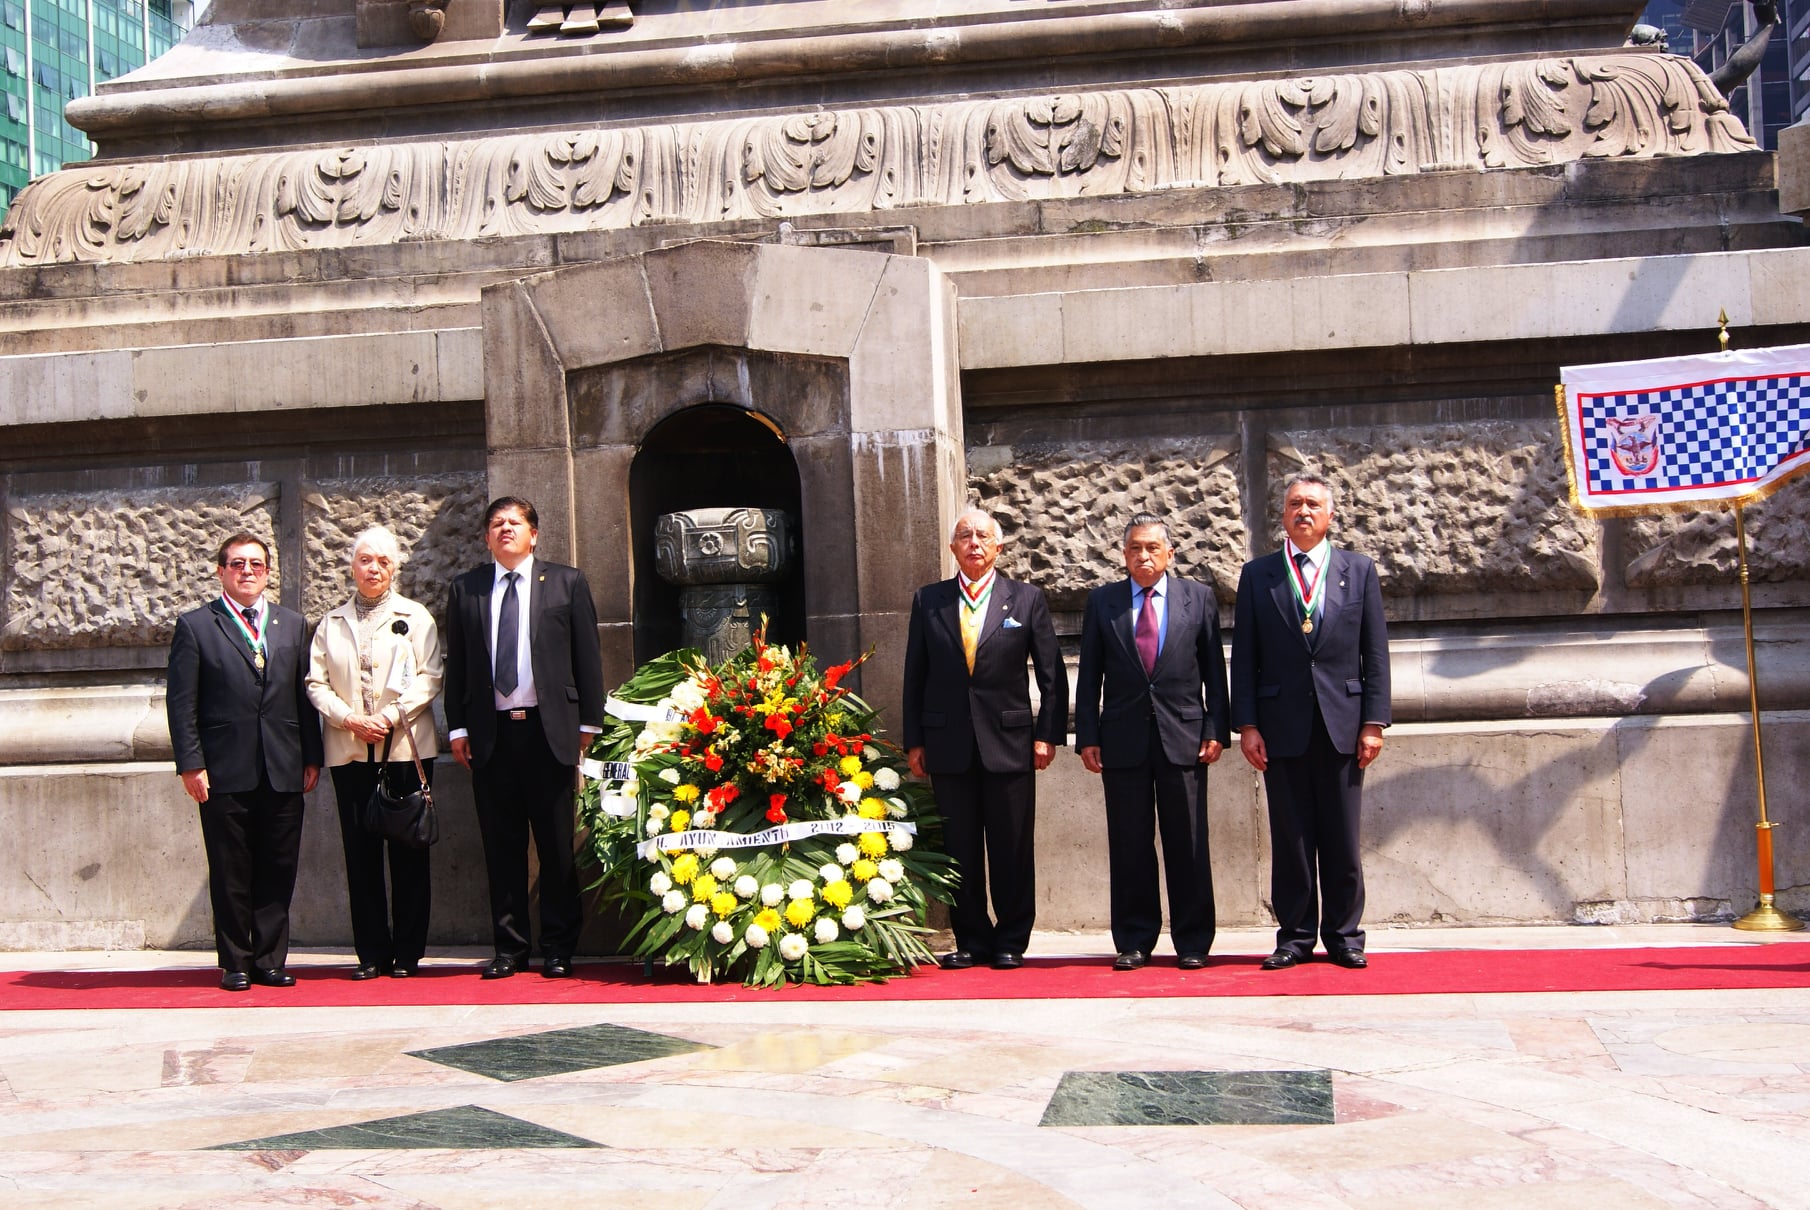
1010	624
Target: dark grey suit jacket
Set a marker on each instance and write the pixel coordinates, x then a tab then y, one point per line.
1186	694
562	643
1279	675
223	716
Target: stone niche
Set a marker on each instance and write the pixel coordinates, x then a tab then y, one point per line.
622	389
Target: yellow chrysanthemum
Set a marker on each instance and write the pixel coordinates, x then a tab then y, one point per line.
864	779
799	912
767	918
850	765
872	843
678	820
838	894
685	793
703	888
684	868
863	870
870	808
723	904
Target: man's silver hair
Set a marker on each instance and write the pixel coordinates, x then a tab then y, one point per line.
1146	521
971	513
380	542
1313	480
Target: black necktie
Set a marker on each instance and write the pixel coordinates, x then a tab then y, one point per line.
508	622
251	621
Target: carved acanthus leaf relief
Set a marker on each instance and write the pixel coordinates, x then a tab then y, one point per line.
1498	115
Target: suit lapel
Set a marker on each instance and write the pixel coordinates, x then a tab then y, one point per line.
1284	597
1180	605
949	611
999	605
1336	579
234	639
1123	621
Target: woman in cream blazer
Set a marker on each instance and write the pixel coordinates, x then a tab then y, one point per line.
376	667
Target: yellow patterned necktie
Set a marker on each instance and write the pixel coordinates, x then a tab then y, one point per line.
970	633
974	608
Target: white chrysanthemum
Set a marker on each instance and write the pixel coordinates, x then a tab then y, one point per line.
756	937
901	840
723	869
849	792
631	789
659	811
722	932
879	890
854	918
801	889
660	883
885	779
895	808
746	887
871	753
825	930
847	853
705	851
655	827
697	916
792	946
673	902
892	870
772	894
688	695
704	819
670	776
829	873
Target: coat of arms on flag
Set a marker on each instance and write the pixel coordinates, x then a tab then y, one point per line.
1685	432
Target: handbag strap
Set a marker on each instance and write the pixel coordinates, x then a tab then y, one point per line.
408	729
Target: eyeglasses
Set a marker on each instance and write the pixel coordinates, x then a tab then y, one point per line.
252	565
965	535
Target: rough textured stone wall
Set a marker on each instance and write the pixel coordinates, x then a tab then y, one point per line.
436	521
1450	508
114	569
1699	547
1064	510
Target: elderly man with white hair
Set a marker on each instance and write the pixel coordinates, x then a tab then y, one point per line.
376	668
968	725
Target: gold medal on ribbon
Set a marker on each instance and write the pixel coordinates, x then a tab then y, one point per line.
1307	625
257	660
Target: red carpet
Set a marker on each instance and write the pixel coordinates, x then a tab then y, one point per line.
1443	972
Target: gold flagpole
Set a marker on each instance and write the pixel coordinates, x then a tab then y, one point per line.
1766	917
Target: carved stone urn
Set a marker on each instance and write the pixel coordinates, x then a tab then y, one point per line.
724	562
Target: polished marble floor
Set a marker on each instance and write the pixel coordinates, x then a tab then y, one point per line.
1596	1101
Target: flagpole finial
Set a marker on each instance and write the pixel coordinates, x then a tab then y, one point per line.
1722	322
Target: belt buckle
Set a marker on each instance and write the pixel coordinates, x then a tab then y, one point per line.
518	716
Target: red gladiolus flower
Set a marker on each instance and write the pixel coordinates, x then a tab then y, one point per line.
702	721
776	808
835	674
820	749
779	725
712	761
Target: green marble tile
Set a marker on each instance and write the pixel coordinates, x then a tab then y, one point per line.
558	1051
464	1128
1191	1098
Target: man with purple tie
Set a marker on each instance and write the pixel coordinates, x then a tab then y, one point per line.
1150	715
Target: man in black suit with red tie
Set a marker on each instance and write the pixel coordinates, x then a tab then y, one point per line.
524	694
1150	716
248	747
1310	699
969	727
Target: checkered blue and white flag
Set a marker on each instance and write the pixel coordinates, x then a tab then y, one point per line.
1685	432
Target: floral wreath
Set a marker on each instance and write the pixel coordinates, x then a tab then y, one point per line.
764	829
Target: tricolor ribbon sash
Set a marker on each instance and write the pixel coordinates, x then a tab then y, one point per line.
1684	432
1307	592
784	833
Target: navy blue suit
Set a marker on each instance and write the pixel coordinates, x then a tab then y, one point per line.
1309	696
1149	728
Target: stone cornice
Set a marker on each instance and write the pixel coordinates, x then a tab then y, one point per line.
1102	143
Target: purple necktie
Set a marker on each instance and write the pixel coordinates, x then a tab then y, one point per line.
1146	633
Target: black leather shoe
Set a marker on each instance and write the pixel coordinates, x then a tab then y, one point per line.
556	968
1131	960
235	981
1007	961
366	970
1350	959
404	970
275	978
1192	962
956	960
501	967
1281	960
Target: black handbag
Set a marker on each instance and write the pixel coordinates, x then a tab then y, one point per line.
408	818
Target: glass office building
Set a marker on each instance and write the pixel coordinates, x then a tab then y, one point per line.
52	51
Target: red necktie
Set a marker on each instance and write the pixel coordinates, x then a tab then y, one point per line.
1147	633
